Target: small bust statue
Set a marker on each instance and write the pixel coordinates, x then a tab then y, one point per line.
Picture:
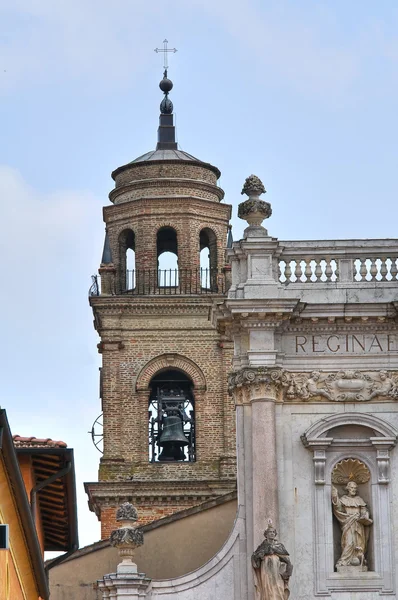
272	568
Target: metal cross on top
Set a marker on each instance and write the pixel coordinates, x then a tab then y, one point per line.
165	50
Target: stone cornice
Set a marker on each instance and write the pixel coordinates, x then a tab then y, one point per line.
103	494
182	205
132	303
163	184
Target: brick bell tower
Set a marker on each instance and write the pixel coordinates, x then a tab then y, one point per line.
168	421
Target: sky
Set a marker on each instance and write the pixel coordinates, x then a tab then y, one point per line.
302	93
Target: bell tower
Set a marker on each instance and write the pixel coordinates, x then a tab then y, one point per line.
168	421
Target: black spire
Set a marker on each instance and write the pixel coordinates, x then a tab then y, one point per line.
166	131
106	253
230	237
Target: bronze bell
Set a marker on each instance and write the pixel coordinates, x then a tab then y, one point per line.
172	439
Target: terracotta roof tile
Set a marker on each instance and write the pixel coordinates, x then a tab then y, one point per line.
34	442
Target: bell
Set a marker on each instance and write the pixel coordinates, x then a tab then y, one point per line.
172	439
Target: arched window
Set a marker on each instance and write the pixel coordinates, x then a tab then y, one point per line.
171	418
208	258
127	259
167	254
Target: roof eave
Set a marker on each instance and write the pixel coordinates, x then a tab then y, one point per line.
177	161
70	486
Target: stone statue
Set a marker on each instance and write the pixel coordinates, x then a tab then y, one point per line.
272	568
353	515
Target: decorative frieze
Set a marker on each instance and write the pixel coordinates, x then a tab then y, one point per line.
339	386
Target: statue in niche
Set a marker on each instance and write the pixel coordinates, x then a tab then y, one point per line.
352	513
272	568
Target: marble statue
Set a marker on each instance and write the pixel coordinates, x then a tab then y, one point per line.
353	515
272	568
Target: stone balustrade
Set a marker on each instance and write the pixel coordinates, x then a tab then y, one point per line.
339	261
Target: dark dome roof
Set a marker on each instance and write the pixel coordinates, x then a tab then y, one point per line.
166	155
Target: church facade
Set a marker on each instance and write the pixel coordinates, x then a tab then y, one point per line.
294	343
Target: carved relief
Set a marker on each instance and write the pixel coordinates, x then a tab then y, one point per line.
343	386
350	469
340	386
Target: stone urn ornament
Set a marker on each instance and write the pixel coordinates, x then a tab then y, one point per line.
254	210
126	538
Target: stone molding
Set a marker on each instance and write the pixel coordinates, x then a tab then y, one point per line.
337	386
145	188
117	212
170	361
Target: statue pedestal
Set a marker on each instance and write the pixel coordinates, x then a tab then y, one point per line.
351	570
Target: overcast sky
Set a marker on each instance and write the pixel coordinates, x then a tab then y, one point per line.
301	93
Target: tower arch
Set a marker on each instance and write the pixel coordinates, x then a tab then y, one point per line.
126	243
170	362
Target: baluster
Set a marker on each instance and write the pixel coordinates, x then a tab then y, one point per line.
328	270
356	270
383	269
394	268
373	269
298	271
288	271
318	271
308	270
363	270
336	271
279	271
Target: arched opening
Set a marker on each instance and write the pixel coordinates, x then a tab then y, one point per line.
127	259
171	416
208	258
167	255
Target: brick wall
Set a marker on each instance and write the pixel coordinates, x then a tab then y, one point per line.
141	335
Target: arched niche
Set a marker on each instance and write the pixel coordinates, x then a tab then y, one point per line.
127	259
369	439
167	257
208	257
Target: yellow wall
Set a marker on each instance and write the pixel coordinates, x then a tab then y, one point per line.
17	580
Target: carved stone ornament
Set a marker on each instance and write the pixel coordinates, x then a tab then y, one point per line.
340	386
257	375
253	186
126	512
254	211
126	538
350	469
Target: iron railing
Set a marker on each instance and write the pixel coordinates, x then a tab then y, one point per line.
174	281
145	282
